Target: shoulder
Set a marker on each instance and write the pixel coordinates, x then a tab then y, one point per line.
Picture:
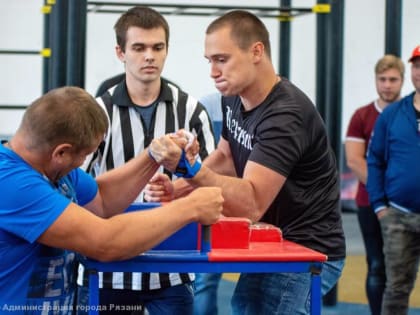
290	98
366	109
393	108
84	184
171	92
110	82
365	113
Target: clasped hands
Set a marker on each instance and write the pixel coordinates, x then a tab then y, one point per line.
167	150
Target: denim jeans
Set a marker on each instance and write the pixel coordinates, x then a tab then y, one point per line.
205	293
372	239
401	234
280	293
176	300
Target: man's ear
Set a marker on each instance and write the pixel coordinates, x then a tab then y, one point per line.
120	53
258	50
62	152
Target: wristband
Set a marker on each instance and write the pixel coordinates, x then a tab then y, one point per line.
184	169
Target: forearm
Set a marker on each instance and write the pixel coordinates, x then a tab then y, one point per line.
376	188
217	162
119	187
356	159
134	233
129	234
182	188
359	169
239	195
121	236
220	162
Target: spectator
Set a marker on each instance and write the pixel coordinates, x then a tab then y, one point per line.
389	78
393	186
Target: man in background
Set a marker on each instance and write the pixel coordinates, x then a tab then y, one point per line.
393	186
389	78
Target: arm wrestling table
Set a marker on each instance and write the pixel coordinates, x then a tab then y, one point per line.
232	246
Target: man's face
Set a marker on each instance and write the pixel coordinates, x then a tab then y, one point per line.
64	158
388	85
231	68
145	53
415	73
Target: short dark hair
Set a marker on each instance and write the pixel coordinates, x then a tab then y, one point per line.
143	17
245	29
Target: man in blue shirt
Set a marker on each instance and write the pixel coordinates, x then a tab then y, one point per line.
393	186
50	208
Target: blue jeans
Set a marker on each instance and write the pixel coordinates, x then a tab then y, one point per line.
280	293
372	239
205	293
176	300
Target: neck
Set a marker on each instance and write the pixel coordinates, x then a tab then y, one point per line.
142	93
34	159
254	96
381	103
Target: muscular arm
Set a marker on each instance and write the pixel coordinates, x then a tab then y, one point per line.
220	161
356	160
127	235
249	196
120	186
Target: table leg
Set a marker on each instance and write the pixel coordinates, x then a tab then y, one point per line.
316	294
93	306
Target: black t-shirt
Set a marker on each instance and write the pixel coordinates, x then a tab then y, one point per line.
286	134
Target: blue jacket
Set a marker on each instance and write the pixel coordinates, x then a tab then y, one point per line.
394	158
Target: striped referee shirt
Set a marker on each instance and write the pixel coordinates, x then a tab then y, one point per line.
127	137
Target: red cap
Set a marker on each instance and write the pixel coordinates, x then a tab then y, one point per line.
415	54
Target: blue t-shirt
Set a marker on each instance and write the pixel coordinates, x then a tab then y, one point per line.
34	278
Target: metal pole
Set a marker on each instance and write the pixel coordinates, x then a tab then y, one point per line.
393	21
46	61
76	43
322	34
284	49
330	30
58	40
335	76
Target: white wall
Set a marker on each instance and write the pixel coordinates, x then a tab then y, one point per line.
21	27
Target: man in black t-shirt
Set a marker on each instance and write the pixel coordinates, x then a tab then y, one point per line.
273	163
